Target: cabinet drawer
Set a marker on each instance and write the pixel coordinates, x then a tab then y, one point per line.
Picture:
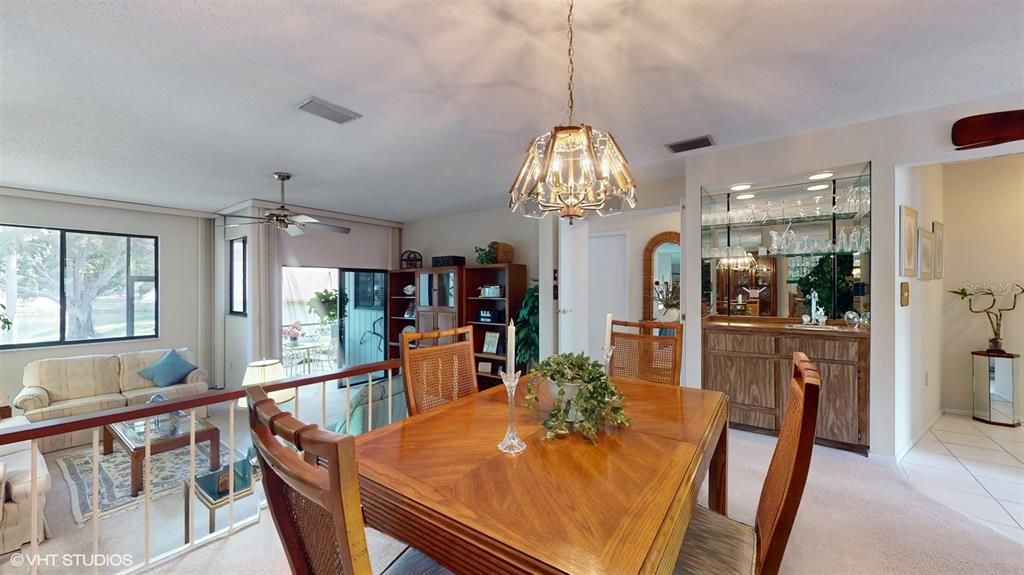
744	343
753	417
836	349
746	380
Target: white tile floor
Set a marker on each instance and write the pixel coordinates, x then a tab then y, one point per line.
975	468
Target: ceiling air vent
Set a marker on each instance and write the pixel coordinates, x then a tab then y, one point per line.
691	144
329	111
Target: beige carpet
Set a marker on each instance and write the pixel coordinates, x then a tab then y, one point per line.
857	517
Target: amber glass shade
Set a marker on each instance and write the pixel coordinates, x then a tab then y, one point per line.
573	170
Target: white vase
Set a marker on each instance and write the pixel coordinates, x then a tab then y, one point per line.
668	315
570	394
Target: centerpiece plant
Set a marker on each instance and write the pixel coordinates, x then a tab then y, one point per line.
584	397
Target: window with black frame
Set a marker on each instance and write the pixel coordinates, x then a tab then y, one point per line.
237	304
369	290
66	286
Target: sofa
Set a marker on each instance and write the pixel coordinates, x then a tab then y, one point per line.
356	420
16	486
61	387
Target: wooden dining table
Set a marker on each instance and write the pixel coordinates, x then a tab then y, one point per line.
621	505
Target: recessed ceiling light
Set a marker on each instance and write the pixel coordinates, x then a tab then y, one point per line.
745	197
740	187
817	187
821	176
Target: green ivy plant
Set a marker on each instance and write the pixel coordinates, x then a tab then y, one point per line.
487	255
597	402
528	328
325	305
5	322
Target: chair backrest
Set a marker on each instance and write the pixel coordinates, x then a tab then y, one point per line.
641	355
312	489
787	473
437	375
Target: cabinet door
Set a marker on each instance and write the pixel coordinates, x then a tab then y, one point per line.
837	403
446	320
426	320
446	290
425	290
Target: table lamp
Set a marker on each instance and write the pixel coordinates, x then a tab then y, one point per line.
266	371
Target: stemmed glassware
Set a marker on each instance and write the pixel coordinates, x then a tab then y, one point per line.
512	443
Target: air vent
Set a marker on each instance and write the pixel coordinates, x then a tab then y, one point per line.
691	144
329	111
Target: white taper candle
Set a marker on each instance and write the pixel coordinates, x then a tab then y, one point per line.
510	359
608	330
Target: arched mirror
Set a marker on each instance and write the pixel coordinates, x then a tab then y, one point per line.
661	277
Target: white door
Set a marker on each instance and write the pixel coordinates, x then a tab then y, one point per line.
607	281
572	287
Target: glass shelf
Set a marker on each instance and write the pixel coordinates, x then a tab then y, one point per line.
796	221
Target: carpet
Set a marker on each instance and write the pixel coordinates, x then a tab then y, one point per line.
170	469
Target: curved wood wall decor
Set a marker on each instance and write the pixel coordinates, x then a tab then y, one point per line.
648	279
988	129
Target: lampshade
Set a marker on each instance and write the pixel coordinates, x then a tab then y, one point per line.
266	371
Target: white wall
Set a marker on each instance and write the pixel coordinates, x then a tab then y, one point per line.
457	235
911	139
184	267
640	228
921	323
984	217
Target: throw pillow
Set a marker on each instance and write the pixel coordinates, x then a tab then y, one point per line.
168	370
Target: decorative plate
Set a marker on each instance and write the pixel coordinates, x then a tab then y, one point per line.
409	329
409	289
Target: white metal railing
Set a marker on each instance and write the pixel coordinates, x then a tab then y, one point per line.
146	412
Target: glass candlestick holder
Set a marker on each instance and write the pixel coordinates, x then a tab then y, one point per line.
512	442
606	353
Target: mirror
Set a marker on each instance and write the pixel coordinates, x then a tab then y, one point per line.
661	278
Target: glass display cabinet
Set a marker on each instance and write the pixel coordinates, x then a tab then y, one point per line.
766	251
998	389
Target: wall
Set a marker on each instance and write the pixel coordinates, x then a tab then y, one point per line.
457	235
184	269
911	139
922	189
640	228
984	217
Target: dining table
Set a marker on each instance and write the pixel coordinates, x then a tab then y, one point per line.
621	504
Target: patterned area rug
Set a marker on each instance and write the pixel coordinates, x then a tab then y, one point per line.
170	469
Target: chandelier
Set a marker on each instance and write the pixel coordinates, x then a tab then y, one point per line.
573	169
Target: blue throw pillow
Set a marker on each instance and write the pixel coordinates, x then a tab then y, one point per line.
168	370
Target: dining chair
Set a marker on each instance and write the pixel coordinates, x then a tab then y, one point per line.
716	544
312	488
641	354
437	375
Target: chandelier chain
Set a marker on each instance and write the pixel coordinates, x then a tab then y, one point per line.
572	68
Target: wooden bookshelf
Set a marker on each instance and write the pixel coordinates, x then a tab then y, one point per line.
512	279
397	303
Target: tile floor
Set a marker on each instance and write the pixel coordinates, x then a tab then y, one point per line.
975	468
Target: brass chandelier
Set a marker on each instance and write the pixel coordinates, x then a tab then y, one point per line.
573	169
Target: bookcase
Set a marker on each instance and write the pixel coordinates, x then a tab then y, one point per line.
491	313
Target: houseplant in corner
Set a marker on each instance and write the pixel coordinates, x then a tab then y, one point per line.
528	329
584	397
995	297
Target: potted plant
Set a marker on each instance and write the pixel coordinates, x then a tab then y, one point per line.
293	331
528	328
993	296
666	296
584	397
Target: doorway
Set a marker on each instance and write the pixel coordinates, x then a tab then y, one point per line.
609	288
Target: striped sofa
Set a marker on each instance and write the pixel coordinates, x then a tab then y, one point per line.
53	388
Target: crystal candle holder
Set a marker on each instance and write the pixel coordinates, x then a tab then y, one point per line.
512	443
606	353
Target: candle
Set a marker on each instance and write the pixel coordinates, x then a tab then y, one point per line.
608	331
510	359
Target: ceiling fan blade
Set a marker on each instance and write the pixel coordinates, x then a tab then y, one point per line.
303	219
328	228
244	217
240	225
293	230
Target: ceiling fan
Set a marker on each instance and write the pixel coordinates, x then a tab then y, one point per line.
284	219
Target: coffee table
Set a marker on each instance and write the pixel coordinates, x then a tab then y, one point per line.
166	432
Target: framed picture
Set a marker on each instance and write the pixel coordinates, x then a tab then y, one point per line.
925	254
938	248
908	241
483	367
491	342
410	312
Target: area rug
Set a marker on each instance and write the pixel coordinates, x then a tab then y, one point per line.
170	469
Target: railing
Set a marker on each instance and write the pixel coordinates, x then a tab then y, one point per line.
96	420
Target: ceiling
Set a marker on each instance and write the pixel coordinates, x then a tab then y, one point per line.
193	105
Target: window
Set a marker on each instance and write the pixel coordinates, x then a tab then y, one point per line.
66	286
237	279
369	290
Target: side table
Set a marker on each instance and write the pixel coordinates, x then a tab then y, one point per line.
5	407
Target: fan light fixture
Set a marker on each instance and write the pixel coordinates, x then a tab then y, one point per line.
573	169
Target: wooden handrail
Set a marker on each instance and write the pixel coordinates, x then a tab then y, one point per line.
41	429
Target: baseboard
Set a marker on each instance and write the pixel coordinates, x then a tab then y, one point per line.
966	412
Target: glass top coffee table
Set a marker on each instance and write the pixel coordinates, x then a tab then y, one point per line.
166	432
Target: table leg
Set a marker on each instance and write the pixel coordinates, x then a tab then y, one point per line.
108	441
188	519
718	474
137	457
215	450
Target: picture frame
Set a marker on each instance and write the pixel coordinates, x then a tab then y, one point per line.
925	254
483	367
938	249
491	342
410	312
908	241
